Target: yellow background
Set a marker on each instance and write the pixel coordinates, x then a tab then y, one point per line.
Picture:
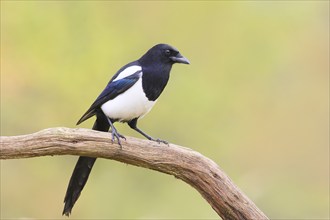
254	99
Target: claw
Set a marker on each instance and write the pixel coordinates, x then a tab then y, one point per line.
122	136
160	141
116	135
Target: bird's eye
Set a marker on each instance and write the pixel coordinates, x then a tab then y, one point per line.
167	52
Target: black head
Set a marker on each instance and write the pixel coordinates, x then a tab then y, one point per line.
164	54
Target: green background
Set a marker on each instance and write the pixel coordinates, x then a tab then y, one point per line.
254	99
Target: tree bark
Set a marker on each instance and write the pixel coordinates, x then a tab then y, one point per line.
190	166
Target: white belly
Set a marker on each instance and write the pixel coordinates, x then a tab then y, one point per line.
129	105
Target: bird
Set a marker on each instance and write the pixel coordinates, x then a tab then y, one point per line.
129	95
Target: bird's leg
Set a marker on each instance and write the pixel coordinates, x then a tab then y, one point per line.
114	133
132	125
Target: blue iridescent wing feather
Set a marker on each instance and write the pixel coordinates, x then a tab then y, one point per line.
111	91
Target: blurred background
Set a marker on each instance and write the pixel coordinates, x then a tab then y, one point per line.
255	99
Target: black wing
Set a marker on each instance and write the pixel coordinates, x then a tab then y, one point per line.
111	91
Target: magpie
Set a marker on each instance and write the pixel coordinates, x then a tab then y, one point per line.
129	95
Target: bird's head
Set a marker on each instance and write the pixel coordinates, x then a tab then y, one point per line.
165	54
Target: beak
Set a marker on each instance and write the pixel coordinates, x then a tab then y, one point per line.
180	59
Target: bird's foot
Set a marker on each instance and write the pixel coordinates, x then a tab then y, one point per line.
159	141
116	135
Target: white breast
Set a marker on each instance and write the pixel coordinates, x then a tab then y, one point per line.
129	105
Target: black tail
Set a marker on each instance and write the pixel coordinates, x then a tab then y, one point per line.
82	170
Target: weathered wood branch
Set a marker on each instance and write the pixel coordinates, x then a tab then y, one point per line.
183	163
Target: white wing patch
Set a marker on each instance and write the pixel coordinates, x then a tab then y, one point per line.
127	72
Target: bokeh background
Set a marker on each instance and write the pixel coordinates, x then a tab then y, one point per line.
254	99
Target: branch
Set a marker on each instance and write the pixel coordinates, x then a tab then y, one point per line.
183	163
